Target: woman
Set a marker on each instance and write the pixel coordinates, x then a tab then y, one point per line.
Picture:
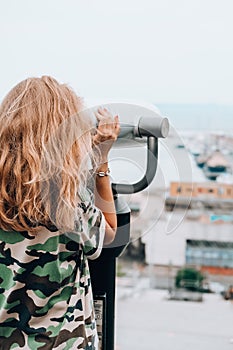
49	224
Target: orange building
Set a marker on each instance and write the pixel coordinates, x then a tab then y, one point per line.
202	190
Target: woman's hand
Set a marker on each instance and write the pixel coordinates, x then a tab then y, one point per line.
107	132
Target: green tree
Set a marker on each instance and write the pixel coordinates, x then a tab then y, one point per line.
189	278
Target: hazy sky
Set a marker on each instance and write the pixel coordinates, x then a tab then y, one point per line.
178	51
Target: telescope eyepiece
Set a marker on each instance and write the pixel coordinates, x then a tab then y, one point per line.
156	127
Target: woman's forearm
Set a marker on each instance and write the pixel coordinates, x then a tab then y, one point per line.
105	202
106	134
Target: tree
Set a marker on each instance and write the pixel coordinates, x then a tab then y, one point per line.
189	278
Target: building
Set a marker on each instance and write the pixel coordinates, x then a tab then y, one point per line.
194	229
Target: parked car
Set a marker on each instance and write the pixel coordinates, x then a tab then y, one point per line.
228	294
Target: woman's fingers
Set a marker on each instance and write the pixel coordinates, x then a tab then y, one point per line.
117	124
104	117
108	126
104	112
106	120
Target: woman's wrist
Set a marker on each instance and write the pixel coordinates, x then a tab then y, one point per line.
102	167
102	173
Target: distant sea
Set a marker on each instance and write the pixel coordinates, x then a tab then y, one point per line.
199	117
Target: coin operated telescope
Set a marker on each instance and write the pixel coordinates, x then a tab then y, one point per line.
146	126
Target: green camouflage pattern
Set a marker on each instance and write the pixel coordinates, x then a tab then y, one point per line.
45	289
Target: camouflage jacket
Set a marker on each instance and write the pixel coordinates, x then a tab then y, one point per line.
45	291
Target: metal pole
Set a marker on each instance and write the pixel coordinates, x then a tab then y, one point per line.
103	272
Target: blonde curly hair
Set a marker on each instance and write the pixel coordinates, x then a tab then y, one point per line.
45	145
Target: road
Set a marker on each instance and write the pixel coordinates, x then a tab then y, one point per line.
146	319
